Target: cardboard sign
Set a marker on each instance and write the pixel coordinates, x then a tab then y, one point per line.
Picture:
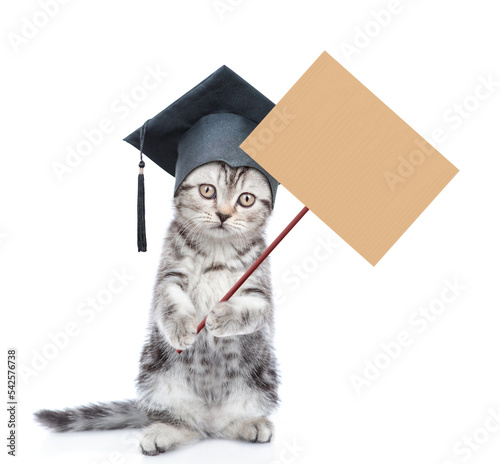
348	157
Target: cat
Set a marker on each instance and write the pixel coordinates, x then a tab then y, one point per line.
224	384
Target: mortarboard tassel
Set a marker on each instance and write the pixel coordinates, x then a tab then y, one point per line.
141	208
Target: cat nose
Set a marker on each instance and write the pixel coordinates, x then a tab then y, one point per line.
222	216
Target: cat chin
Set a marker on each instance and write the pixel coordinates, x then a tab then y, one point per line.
226	234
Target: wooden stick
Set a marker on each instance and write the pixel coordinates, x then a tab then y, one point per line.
257	263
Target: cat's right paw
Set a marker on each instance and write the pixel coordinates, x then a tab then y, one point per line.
181	331
159	437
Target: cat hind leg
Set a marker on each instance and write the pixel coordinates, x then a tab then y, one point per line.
159	437
254	430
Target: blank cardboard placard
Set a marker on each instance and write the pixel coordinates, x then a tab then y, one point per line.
349	158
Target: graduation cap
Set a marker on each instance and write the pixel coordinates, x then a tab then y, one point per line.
206	124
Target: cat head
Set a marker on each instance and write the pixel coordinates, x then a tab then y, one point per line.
222	202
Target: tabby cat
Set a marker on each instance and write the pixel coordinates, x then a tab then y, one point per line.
224	383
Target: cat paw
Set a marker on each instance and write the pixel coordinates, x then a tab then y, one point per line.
159	437
258	430
224	321
155	440
181	331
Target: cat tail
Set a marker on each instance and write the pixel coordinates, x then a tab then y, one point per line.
101	416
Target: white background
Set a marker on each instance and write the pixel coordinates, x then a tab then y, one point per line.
61	240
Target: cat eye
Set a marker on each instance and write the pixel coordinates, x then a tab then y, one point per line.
207	191
246	199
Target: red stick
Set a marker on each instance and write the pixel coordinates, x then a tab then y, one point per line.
257	263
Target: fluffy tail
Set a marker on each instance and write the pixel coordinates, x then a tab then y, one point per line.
101	416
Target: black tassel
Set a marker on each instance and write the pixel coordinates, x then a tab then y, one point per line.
141	207
141	211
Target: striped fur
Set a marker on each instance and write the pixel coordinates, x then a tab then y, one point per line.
225	382
101	416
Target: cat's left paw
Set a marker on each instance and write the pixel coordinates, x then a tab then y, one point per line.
224	320
258	430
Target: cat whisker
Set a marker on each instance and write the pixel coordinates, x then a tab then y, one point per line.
189	233
184	228
198	233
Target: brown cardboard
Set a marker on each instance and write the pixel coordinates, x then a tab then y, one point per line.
349	158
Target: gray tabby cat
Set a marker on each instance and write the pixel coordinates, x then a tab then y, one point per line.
225	383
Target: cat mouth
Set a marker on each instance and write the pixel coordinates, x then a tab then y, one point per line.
221	228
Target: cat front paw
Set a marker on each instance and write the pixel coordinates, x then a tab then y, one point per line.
225	320
181	331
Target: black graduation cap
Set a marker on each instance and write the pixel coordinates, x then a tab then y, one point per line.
206	124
